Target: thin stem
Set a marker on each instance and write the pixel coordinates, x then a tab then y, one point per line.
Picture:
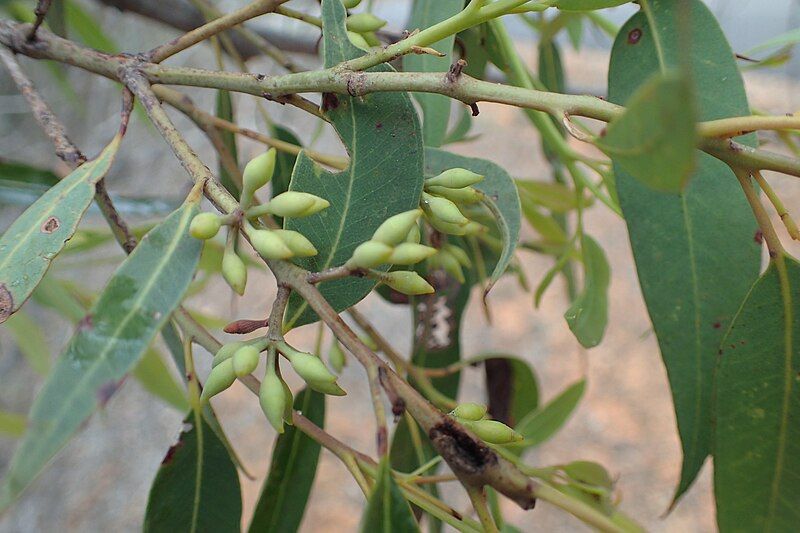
788	221
250	11
299	15
762	217
477	496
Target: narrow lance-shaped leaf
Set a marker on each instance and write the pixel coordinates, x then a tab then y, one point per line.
513	388
435	107
387	510
684	245
540	425
382	133
588	315
197	487
28	247
108	343
757	445
654	139
291	473
224	109
155	377
501	195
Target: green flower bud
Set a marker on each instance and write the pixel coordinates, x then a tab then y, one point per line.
460	255
205	225
245	360
407	282
221	377
469	411
294	204
364	22
226	352
467	195
287	411
296	242
350	4
454	178
450	265
414	235
258	172
443	208
395	229
272	397
234	271
269	245
309	367
358	40
493	431
325	387
445	227
369	255
409	253
474	228
336	357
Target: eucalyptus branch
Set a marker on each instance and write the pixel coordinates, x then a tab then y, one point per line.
250	11
339	80
762	217
777	203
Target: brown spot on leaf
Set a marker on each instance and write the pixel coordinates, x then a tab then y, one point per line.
50	225
717	325
329	101
106	391
634	36
500	387
758	237
171	453
6	303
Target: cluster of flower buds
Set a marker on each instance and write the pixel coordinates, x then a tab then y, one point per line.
236	359
361	27
270	244
444	194
396	241
473	417
311	368
451	259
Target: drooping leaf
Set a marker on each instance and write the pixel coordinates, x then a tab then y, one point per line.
108	343
588	315
382	133
757	441
224	110
29	338
387	510
691	294
540	425
155	377
28	247
501	194
654	139
435	107
512	387
197	487
291	473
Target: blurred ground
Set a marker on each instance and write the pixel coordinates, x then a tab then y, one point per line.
100	481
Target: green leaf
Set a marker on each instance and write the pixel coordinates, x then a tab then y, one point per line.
543	423
556	197
551	70
196	487
29	338
513	388
155	377
28	247
12	424
654	139
757	442
294	464
387	510
13	171
691	293
435	107
108	343
88	29
588	315
382	133
501	198
587	5
224	110
790	38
